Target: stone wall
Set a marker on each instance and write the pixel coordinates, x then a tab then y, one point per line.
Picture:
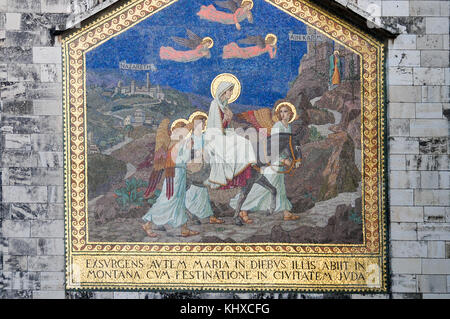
31	196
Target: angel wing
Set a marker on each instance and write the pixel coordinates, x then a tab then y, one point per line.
161	155
255	40
231	5
192	42
261	118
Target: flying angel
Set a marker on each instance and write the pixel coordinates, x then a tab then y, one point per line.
199	48
259	46
241	10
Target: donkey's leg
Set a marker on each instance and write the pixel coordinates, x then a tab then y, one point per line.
242	197
264	182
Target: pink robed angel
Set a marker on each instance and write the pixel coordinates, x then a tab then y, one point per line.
199	48
260	46
241	10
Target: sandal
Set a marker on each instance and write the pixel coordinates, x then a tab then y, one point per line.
243	215
290	216
215	220
188	232
148	230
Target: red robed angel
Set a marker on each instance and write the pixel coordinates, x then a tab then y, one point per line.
199	49
241	10
261	46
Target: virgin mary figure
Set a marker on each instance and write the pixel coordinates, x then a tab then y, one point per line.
230	155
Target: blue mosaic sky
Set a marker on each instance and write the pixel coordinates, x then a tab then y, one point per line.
263	80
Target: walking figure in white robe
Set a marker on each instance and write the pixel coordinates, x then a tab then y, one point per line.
197	198
259	198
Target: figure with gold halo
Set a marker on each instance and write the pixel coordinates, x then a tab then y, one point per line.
230	155
259	198
172	152
259	46
241	10
197	197
200	48
335	69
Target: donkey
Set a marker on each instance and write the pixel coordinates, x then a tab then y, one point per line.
282	144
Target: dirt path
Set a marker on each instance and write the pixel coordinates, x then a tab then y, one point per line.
324	129
117	146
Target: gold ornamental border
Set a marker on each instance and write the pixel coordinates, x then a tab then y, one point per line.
371	52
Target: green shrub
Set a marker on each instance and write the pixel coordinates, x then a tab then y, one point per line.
314	134
132	194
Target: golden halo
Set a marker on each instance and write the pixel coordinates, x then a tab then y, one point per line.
176	122
226	77
271	35
193	115
208	39
251	3
336	51
291	106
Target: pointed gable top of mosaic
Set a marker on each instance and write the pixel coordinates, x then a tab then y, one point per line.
367	19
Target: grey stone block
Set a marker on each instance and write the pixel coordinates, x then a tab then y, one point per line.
47	142
50	247
23	72
47	55
16	228
15	294
51	73
56	211
437	145
432	283
17	176
403	231
16	55
20	124
46	263
427	162
409	25
435	266
436	249
47	228
24	39
22	211
47	107
24	5
406	296
57	294
434	214
404	283
22	280
409	249
51	124
17	141
15	263
25	194
19	158
12	91
55	194
50	159
406	265
435	197
42	21
36	91
403	145
47	176
433	231
17	107
52	280
22	246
